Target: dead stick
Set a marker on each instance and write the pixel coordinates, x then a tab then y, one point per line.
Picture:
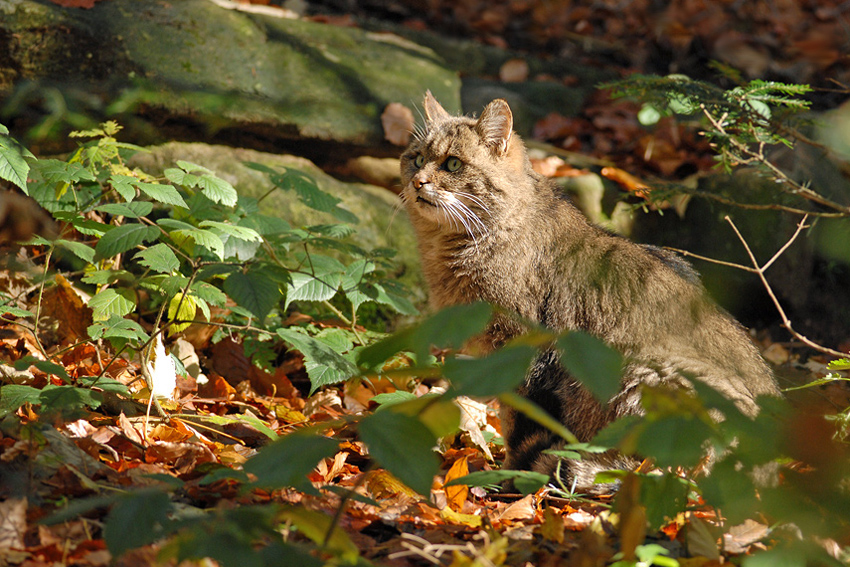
760	271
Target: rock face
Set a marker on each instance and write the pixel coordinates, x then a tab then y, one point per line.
193	62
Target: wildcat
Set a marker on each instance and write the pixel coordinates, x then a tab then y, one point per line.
490	228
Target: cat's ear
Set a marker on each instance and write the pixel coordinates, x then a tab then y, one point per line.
496	125
433	111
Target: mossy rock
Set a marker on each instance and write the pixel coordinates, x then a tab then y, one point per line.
211	70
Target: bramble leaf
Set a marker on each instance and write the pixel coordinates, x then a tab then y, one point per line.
125	237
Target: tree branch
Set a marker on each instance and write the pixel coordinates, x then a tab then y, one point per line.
759	270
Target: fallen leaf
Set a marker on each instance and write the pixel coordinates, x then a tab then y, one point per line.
522	509
553	526
700	540
739	538
398	123
456	495
470	520
13	523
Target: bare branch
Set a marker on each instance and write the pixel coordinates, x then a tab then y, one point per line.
760	271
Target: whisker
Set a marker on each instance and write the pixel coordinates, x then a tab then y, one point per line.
458	211
475	200
476	220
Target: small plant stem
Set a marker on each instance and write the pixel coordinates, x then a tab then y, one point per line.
38	305
344	319
759	270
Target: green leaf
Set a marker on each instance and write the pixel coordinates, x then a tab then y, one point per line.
166	194
137	519
287	461
214	188
319	280
58	171
107	385
112	301
13	396
324	365
395	295
404	446
392	398
240	232
186	236
131	210
13	166
254	290
44	365
80	250
316	525
218	190
226	420
64	398
593	363
448	328
674	441
15	311
123	238
527	482
160	258
495	374
117	327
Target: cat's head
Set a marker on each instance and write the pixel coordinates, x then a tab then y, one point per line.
462	174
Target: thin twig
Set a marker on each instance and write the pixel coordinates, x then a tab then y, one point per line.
712	260
759	270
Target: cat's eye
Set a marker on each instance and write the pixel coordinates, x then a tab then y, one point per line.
419	161
453	164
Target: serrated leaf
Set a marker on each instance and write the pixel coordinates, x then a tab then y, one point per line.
218	190
187	236
306	287
57	171
124	185
404	446
131	210
112	302
253	290
241	232
15	311
324	365
163	193
80	250
123	238
159	258
13	396
63	398
13	166
117	327
209	293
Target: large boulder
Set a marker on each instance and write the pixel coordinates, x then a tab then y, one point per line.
193	69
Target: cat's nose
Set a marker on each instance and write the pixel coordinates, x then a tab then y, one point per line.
420	181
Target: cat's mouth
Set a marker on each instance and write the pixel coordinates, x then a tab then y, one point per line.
424	200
